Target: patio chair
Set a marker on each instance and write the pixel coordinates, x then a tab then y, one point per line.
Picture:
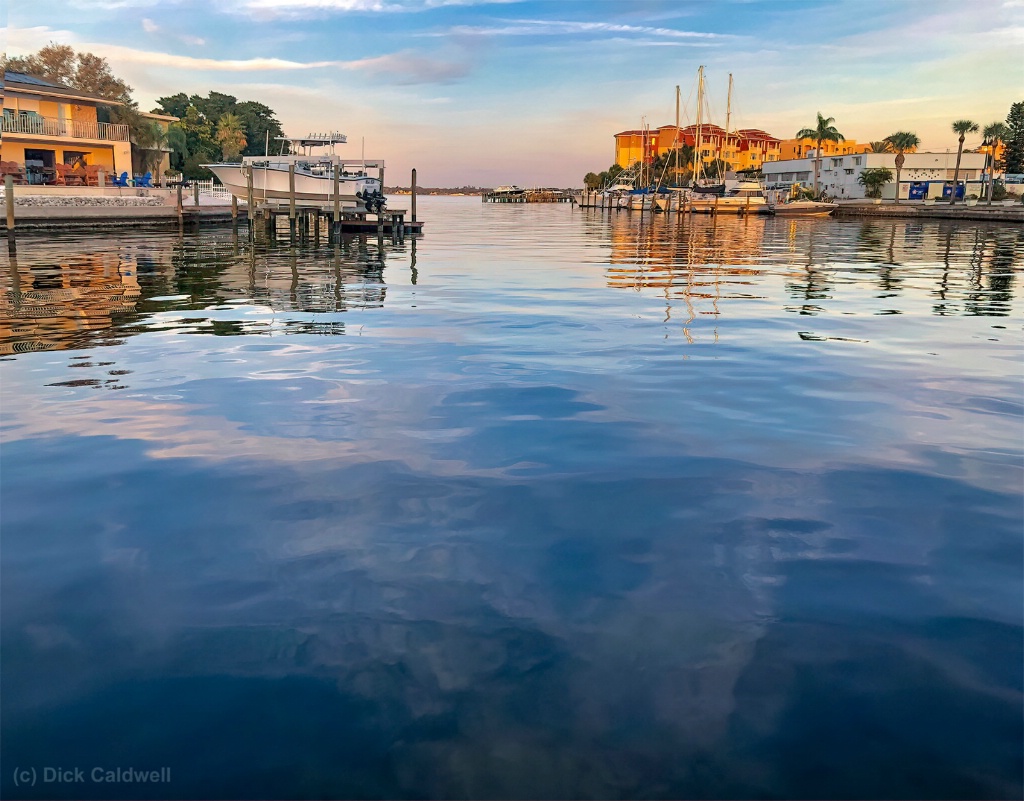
121	180
92	175
146	180
13	169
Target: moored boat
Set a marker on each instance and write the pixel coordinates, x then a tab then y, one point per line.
747	197
314	176
804	208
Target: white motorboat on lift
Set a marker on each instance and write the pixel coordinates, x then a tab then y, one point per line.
314	175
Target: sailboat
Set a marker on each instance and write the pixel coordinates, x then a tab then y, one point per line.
748	197
701	183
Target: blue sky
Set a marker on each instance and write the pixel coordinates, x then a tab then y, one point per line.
499	91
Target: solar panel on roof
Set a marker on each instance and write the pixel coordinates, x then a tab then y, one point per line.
21	77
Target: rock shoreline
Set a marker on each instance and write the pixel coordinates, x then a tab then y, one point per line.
103	202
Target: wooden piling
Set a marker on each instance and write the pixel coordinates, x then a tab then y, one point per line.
248	196
181	210
9	199
414	195
291	201
336	219
195	192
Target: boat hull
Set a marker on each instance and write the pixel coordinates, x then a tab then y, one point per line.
804	208
729	205
271	184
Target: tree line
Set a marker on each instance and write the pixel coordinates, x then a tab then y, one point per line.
218	127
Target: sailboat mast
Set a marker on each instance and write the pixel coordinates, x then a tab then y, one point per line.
728	106
675	141
700	103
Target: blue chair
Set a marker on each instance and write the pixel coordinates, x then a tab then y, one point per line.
122	181
145	180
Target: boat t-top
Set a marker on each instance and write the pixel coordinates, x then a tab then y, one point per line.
314	175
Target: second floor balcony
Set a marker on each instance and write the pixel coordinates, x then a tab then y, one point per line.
37	125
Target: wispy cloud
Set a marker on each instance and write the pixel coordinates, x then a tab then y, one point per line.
539	27
410	68
313	8
149	26
172	60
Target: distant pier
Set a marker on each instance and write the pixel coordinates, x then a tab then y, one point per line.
528	196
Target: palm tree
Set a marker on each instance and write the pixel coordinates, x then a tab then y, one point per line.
231	136
994	133
962	127
824	131
901	142
879	147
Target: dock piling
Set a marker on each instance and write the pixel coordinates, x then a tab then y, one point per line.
12	244
9	200
336	219
249	214
414	194
291	202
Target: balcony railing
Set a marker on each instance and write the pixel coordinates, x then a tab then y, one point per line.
73	129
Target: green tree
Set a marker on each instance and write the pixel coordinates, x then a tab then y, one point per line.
673	167
879	147
995	133
823	131
901	142
592	180
85	71
873	179
201	146
230	136
962	127
1014	157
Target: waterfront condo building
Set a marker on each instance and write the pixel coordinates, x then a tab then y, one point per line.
802	148
745	149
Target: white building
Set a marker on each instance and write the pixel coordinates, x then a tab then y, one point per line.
923	174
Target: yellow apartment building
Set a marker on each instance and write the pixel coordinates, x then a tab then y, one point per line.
745	149
46	123
799	148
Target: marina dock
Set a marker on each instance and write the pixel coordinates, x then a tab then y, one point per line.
528	196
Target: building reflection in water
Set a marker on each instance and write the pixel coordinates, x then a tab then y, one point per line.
117	286
702	264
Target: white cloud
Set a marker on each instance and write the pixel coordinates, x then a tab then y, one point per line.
157	59
309	8
534	27
192	40
149	26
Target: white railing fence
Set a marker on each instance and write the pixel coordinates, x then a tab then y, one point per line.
212	188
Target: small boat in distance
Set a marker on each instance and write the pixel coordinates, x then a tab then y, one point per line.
314	176
803	208
507	191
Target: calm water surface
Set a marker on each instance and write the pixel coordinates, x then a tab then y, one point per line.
548	503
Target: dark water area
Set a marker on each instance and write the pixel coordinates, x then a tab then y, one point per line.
548	503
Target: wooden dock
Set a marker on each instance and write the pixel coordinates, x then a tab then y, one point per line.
529	196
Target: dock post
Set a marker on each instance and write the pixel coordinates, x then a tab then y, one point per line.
181	210
249	214
291	202
336	219
9	200
234	211
414	194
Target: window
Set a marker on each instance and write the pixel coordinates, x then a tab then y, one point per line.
848	171
858	160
